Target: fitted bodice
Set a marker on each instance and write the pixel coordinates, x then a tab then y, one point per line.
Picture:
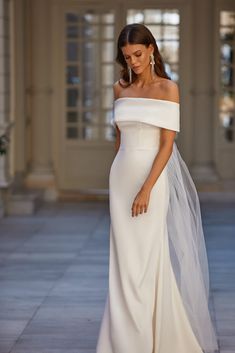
140	120
138	135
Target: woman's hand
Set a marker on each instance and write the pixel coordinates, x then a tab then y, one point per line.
141	202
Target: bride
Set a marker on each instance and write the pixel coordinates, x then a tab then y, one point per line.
157	300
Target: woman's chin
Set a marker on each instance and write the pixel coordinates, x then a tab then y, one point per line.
138	71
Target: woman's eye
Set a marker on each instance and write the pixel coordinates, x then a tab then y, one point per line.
138	54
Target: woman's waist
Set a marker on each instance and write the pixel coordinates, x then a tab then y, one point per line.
139	139
137	153
129	148
144	144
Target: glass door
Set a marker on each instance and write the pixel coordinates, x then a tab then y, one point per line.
85	70
89	75
225	132
84	75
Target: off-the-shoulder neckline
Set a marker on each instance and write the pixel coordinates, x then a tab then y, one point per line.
146	98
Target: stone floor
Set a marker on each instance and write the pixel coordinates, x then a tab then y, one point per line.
54	276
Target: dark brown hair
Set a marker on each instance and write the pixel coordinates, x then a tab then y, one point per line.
137	33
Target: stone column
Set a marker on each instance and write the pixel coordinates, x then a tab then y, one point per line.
4	95
41	174
203	91
18	64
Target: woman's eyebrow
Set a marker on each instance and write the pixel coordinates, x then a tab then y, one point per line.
134	52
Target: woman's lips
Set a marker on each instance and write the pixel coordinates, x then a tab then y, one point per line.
135	67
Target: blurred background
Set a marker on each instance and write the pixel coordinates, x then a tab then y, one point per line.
57	68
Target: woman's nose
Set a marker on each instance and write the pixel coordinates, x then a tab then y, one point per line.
132	60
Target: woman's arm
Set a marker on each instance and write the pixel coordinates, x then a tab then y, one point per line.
167	137
118	139
141	201
116	93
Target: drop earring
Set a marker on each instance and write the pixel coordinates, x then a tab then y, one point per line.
130	74
152	63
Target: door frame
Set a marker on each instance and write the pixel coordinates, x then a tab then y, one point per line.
184	140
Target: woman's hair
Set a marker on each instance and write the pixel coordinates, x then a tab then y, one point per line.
137	33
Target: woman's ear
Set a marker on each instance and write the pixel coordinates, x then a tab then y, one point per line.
151	48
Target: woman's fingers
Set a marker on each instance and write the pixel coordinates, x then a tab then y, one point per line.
140	203
138	209
135	209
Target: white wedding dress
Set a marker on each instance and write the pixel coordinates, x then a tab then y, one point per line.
157	300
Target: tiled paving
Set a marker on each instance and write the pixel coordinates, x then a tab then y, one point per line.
54	276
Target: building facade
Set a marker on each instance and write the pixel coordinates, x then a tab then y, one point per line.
57	62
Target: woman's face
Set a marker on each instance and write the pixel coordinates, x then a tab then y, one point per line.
137	56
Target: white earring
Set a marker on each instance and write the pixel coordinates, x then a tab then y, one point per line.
152	63
130	74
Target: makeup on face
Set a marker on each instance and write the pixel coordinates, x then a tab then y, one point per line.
136	55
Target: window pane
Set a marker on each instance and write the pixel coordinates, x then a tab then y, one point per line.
227	121
108	18
107	32
107	74
227	18
90	17
170	51
90	32
227	76
72	132
153	16
72	117
107	98
72	75
107	116
90	117
170	33
72	51
90	53
164	33
72	32
135	16
227	53
157	31
109	133
227	33
72	97
227	101
88	95
90	132
172	71
107	51
71	17
171	17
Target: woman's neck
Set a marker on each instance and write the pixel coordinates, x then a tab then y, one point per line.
145	79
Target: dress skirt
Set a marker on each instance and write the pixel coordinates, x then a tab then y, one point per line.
144	312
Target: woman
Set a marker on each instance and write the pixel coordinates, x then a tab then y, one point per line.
158	271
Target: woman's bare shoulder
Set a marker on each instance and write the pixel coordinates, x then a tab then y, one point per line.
118	88
169	90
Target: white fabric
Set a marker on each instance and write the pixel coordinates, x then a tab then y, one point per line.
158	112
188	251
157	300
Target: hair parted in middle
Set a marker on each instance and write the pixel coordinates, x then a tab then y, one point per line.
137	33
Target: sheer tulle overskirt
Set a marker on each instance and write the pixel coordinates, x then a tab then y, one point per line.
188	251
